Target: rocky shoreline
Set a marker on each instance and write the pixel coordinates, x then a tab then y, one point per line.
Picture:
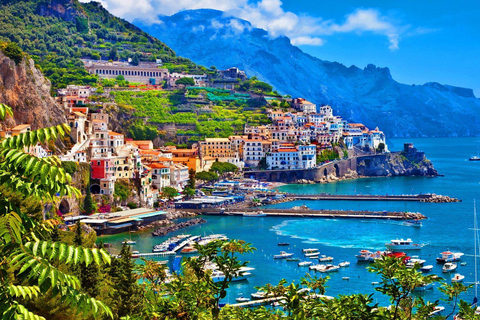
435	198
165	230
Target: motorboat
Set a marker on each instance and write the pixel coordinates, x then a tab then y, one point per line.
426	268
309	250
304	263
242	299
282	255
436	311
316	267
448	256
458	277
293	259
411	263
254	214
260	295
417	223
402	244
329	268
463	264
129	242
344	264
325	259
424	287
474	158
449	267
345	278
135	252
364	256
218	276
312	254
284	244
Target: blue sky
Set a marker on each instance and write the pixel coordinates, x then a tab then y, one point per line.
420	41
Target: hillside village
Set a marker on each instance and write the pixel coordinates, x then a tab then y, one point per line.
295	136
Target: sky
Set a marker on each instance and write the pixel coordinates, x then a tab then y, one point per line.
420	41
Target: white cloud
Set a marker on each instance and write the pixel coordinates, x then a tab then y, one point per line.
302	29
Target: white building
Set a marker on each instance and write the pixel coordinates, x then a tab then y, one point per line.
160	175
290	157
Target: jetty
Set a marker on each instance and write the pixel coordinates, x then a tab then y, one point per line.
264	301
322	213
153	254
372	197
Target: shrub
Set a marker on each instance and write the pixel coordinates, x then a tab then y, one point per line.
132	205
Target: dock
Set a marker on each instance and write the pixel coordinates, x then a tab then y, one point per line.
153	254
260	302
322	213
373	197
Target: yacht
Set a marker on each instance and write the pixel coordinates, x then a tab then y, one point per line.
458	277
413	223
329	268
449	267
309	250
474	158
241	298
401	244
364	256
325	259
260	295
218	276
129	242
448	256
282	255
304	263
312	254
344	264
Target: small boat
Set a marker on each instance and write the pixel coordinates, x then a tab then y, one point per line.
325	259
413	223
135	252
448	256
463	264
304	263
260	295
375	283
254	214
312	254
424	287
313	257
283	244
474	158
458	277
129	242
344	264
426	268
242	299
293	259
345	278
328	268
282	255
449	267
309	250
401	244
436	310
364	256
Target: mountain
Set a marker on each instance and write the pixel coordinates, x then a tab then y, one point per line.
368	95
58	33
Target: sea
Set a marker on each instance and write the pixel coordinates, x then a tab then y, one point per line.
448	227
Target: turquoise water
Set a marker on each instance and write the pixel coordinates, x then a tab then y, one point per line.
447	227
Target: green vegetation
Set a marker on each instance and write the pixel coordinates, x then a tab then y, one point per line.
206	176
223	167
169	193
140	131
13	51
185	82
57	44
123	189
327	155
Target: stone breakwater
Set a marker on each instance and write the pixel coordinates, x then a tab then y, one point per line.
440	199
165	230
167	222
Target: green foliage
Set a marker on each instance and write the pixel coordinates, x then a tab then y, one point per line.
191	179
81	24
140	131
262	86
185	81
169	193
123	190
223	167
120	77
206	176
327	155
189	192
132	205
13	51
70	167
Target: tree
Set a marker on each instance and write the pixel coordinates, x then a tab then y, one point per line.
262	86
381	147
185	82
113	54
29	256
223	167
206	176
120	77
191	179
127	294
135	60
189	192
169	193
262	164
13	51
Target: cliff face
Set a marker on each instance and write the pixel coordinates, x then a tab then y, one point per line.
396	164
24	88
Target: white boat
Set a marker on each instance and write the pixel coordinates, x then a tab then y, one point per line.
436	311
260	295
463	264
448	256
368	256
304	263
345	278
329	268
282	255
135	252
218	276
254	214
325	259
309	250
426	268
242	299
411	263
129	242
311	254
344	264
449	267
424	287
313	257
413	223
402	244
458	277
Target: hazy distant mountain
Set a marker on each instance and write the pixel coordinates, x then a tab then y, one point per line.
368	95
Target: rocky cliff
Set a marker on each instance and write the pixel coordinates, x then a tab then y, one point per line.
24	88
396	164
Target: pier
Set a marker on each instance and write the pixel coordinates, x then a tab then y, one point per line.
322	213
264	301
153	254
372	197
